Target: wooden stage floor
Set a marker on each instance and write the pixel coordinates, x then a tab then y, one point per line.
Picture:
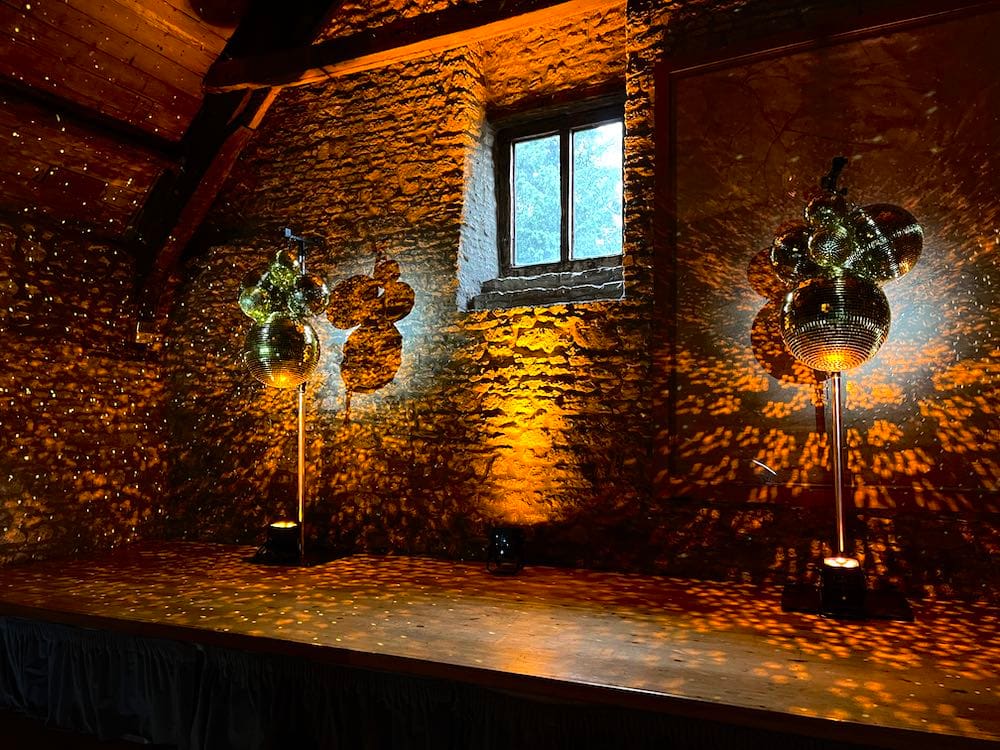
701	649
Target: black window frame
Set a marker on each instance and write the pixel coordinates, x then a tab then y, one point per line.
536	125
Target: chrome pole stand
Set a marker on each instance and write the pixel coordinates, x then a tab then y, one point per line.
838	459
842	581
302	472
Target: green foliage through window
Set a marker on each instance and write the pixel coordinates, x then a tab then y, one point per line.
536	231
597	192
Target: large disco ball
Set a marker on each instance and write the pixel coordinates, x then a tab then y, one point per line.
281	352
836	322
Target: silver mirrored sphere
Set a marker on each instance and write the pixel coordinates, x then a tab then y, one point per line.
257	303
790	255
281	352
825	209
831	246
889	242
309	296
835	323
287	257
281	276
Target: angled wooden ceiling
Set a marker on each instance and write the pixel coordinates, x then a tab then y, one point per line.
95	95
122	118
104	123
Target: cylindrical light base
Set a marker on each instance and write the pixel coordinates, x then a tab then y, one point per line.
283	544
842	588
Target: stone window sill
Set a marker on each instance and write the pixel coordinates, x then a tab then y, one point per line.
559	288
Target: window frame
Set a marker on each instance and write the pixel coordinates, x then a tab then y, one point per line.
535	125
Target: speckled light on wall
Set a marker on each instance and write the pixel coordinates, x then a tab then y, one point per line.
921	417
549	416
81	460
481	401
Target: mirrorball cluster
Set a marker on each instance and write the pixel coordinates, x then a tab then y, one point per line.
282	348
835	315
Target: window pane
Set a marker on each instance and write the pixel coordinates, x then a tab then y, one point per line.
597	191
536	201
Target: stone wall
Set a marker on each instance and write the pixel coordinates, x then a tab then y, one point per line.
521	415
81	445
553	417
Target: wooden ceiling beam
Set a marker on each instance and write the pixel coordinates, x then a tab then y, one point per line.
223	126
431	33
156	302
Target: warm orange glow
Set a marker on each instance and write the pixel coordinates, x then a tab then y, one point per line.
529	429
523	473
840	562
837	360
918	417
284	525
284	380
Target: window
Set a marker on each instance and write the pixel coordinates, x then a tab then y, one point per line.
559	192
542	209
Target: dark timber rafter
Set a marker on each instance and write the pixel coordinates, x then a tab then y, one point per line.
407	39
182	197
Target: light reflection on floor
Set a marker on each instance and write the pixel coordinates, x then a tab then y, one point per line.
714	641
